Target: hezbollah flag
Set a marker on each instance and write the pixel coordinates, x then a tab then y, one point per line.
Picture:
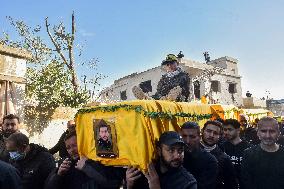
125	133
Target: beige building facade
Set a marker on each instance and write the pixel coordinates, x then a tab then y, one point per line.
12	80
223	86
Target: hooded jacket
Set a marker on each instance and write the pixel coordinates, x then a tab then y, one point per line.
35	167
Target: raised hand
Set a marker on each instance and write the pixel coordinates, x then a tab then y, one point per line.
132	174
64	167
152	177
81	163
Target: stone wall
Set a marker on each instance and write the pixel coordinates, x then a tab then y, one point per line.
251	102
56	126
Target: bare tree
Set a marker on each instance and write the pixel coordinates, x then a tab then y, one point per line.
65	41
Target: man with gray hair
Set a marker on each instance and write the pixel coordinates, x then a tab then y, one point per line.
263	165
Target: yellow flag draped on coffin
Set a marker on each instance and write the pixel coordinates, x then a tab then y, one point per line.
255	113
135	126
225	111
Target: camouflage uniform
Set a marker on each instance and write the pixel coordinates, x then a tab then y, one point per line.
171	80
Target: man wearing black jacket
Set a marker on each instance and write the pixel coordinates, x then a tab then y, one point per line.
210	136
197	161
60	146
167	172
75	173
9	176
33	161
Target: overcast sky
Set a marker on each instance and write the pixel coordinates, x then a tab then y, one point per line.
132	36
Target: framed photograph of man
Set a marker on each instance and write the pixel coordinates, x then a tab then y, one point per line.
105	137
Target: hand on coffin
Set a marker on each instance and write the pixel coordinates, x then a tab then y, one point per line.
81	163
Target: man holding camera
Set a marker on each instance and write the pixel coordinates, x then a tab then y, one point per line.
80	173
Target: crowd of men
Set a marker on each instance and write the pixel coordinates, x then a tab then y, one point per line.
222	154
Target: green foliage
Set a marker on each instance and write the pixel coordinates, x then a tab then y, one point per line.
29	39
140	109
51	72
51	87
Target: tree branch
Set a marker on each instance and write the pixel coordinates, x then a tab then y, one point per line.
71	42
71	55
54	43
73	27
